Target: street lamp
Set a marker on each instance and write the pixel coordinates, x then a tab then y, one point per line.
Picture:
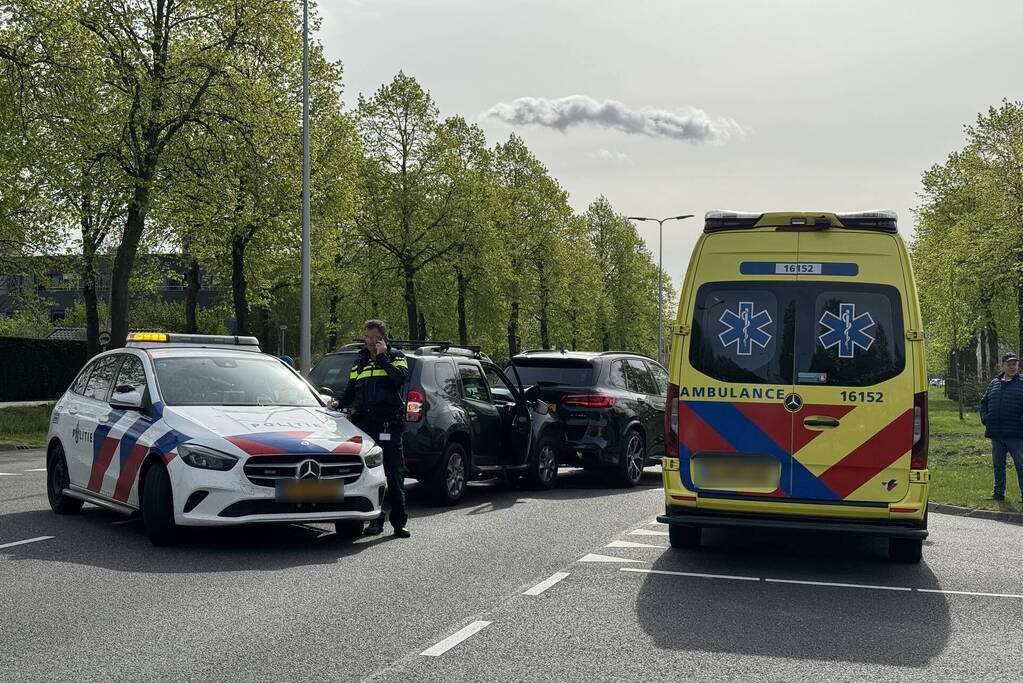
305	326
660	271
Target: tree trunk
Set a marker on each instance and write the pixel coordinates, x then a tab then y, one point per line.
266	336
411	310
513	330
191	296
332	330
992	351
89	284
463	287
545	336
124	260
422	333
239	291
1019	306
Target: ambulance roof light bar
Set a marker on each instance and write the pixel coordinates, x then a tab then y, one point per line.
877	220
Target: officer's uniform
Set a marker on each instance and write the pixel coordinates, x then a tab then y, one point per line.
374	398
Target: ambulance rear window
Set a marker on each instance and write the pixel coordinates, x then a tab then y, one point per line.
833	334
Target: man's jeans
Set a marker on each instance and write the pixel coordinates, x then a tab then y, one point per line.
998	449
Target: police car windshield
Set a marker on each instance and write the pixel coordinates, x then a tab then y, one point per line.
229	381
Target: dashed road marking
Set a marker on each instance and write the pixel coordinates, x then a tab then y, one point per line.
693	574
126	521
983	595
647	532
9	474
593	557
632	544
38	469
455	638
546	583
27	540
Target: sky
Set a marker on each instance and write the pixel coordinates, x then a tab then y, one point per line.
671	107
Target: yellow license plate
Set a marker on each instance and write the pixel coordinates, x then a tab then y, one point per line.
735	473
310	490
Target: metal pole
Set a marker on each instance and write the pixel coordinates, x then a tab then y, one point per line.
305	342
660	288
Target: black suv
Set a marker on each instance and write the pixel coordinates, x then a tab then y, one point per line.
610	405
464	418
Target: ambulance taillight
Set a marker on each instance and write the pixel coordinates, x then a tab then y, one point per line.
918	459
671	423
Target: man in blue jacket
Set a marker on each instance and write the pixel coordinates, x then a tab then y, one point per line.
1001	411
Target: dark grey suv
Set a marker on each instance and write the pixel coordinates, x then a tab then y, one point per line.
610	406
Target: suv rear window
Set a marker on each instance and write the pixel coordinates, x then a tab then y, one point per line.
332	372
828	333
574	372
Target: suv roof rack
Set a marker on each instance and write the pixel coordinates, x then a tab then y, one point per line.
877	220
439	348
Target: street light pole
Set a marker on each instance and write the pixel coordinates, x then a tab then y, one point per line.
660	274
305	327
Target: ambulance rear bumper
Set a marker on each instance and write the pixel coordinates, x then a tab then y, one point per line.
678	516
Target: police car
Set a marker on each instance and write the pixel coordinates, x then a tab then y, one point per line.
200	430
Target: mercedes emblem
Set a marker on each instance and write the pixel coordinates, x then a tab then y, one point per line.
793	402
308	469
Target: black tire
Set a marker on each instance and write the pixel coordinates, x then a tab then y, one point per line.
158	507
684	536
58	479
629	470
908	550
542	474
449	481
349	528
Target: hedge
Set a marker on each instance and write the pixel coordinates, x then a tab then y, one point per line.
38	369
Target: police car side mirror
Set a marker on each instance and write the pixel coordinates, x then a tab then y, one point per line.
126	398
327	391
531	393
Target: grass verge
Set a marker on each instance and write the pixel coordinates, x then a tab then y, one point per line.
25	424
960	459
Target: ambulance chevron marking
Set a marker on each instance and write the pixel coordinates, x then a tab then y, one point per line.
873	456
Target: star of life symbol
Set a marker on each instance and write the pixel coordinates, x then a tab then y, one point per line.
846	330
745	329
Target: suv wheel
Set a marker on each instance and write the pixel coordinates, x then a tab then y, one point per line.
542	474
450	479
57	479
629	471
158	506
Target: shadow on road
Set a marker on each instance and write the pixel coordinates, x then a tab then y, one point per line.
900	628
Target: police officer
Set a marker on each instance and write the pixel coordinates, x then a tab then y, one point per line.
374	402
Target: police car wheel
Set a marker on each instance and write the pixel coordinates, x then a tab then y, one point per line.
542	474
57	479
629	471
349	528
684	536
450	479
908	550
158	506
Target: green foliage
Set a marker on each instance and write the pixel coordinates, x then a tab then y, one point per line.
38	368
25	424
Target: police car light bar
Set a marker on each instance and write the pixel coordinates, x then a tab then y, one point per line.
136	338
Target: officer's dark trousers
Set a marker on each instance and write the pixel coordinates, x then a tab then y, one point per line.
393	464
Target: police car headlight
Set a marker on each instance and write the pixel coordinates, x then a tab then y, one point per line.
375	457
206	458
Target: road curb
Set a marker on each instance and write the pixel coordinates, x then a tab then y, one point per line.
958	510
16	447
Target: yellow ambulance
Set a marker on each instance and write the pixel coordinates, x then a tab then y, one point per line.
798	394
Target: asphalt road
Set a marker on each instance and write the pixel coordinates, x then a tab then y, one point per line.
576	584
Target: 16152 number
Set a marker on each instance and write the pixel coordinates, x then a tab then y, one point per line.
863	396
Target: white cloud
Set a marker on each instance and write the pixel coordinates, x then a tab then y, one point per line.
693	125
609	157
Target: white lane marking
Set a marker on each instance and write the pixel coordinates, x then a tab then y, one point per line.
656	522
38	469
701	576
455	638
983	595
647	532
839	585
28	540
546	583
592	557
8	474
631	544
125	521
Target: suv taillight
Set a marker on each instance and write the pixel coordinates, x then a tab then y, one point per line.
918	459
589	400
671	423
414	406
